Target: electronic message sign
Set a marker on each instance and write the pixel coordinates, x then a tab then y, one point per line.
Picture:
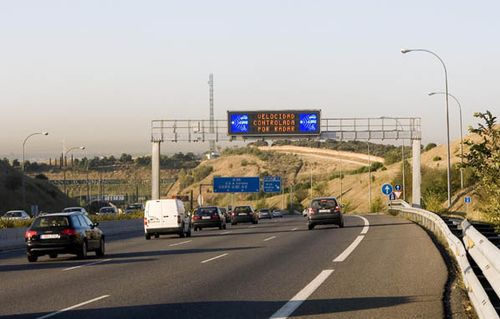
272	123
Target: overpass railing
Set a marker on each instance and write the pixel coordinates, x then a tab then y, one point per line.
437	226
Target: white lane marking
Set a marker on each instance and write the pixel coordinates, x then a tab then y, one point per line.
73	307
253	226
89	264
225	232
292	305
216	257
181	243
349	249
294	229
272	237
367	224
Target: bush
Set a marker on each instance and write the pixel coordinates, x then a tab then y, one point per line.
13	182
42	177
436	158
429	147
377	205
244	162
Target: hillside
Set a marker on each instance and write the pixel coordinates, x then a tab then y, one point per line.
38	192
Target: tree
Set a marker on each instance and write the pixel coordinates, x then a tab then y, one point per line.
484	159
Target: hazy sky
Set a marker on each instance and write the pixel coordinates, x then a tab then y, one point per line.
95	73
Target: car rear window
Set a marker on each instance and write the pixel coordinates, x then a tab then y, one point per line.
206	211
327	203
51	221
242	209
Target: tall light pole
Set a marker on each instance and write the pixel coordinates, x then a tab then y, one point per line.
461	136
404	51
64	159
22	163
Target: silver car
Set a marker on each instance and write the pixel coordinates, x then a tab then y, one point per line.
16	215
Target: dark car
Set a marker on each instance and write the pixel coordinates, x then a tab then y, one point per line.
133	208
324	211
244	214
63	233
265	213
210	216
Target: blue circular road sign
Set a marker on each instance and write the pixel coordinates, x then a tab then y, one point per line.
397	187
387	189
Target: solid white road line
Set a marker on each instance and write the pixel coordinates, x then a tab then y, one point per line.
367	225
181	243
89	264
298	299
225	232
349	249
220	256
73	307
272	237
253	226
294	229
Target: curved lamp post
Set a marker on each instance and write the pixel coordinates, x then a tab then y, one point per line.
22	163
461	136
404	51
64	158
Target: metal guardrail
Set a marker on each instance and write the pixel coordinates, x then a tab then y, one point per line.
435	224
485	254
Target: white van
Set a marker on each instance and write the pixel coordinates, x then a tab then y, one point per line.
166	216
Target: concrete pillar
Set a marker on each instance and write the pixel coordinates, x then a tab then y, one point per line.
155	170
417	177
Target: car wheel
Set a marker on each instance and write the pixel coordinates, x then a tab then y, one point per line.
341	225
157	235
188	234
82	254
182	232
102	249
310	226
32	258
147	236
220	226
224	226
233	223
53	255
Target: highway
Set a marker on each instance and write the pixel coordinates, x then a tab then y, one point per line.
377	266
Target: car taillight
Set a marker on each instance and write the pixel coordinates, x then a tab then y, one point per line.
232	214
337	209
145	221
30	233
311	211
69	232
196	217
178	219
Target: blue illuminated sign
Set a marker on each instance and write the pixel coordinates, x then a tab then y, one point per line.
239	123
308	122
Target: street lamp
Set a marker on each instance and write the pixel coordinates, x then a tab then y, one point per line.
64	158
22	163
404	51
461	136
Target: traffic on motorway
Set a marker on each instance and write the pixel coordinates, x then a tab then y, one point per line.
73	232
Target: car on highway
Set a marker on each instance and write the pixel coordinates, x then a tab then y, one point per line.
244	214
133	208
107	210
75	209
209	216
324	211
277	214
63	233
166	216
16	215
265	213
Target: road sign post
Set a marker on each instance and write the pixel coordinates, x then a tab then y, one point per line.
467	200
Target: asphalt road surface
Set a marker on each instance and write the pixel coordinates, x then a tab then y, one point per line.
377	266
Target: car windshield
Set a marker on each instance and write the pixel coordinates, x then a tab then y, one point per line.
242	209
134	206
72	209
326	203
51	221
264	210
206	211
107	210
